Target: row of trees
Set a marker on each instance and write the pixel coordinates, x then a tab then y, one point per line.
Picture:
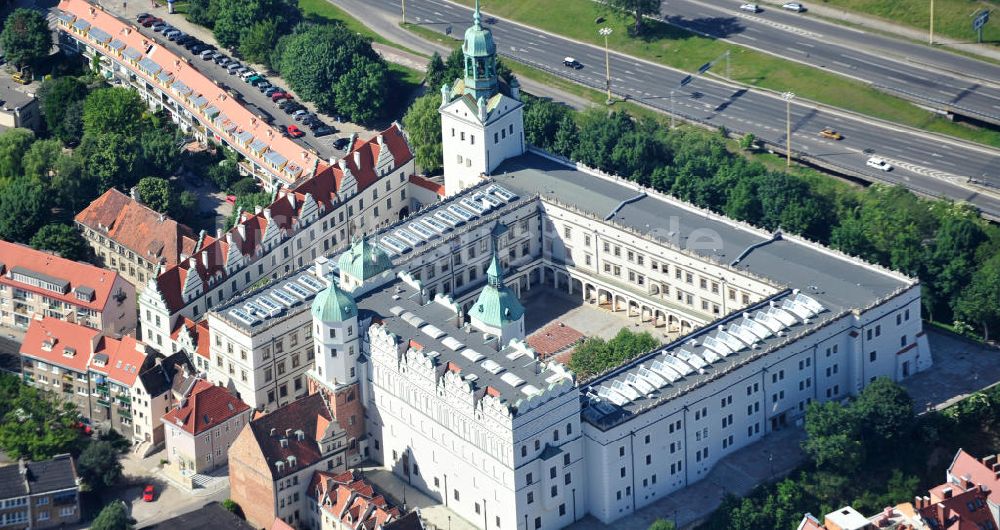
324	63
595	355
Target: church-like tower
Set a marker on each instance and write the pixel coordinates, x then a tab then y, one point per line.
497	311
336	337
480	126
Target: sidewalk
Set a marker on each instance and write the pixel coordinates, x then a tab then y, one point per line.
887	26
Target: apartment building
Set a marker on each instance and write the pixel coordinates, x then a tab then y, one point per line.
33	283
132	239
168	82
202	426
37	495
158	388
346	501
359	193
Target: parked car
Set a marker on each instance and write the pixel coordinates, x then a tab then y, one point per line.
207	54
295	132
149	22
183	40
257	82
753	8
828	132
231	199
142	17
299	114
572	63
160	26
148	493
793	6
175	35
197	48
323	131
341	143
879	164
283	130
248	74
192	42
280	95
292	108
263	86
233	66
221	60
271	90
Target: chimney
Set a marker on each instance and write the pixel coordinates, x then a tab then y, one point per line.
267	214
354	138
273	431
288	432
204	259
242	230
380	140
357	159
988	461
946	493
918	503
291	199
342	164
193	262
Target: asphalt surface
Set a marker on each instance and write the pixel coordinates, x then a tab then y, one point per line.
928	164
930	77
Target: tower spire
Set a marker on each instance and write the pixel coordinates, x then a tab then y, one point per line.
476	17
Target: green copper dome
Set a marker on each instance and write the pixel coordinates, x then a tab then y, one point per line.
478	41
497	304
480	60
333	304
364	260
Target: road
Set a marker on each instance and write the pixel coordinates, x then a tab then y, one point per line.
928	164
930	77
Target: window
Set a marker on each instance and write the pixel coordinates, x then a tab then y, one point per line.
562	509
872	356
555	491
567	478
538	523
456	495
566	459
622	471
528	479
902	341
531	497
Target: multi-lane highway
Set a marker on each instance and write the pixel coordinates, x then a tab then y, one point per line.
927	164
933	78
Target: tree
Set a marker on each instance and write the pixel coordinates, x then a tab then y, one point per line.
98	465
832	441
111	159
234	18
423	125
114	110
159	150
40	159
595	355
748	142
435	72
71	130
231	506
70	187
186	208
542	118
113	517
13	144
202	12
566	138
61	239
639	9
35	424
248	203
22	209
25	37
662	524
600	131
258	41
55	97
979	302
156	193
245	186
885	414
361	92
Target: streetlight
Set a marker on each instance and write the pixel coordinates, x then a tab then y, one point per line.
607	59
931	38
403	3
671	109
788	96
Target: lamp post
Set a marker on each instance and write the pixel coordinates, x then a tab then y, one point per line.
671	109
931	38
607	59
788	96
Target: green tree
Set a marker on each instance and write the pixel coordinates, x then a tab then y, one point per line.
22	209
98	465
662	524
600	132
35	424
113	517
40	160
245	186
25	37
639	9
55	97
885	414
542	118
63	240
70	187
435	72
234	18
258	41
950	259
361	92
203	12
156	193
114	110
595	355
13	144
979	302
566	137
111	159
247	203
832	437
423	125
748	142
160	150
71	130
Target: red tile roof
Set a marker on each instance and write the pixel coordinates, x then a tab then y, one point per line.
278	524
205	407
203	342
427	184
302	414
149	234
351	499
966	510
554	338
210	260
227	114
75	274
50	340
968	467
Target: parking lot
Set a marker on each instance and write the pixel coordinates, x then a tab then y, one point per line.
240	87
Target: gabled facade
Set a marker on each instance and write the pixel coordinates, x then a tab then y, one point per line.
317	217
201	428
345	501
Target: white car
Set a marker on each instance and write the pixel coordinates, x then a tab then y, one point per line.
753	8
793	6
879	164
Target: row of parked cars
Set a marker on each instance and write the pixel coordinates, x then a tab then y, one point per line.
280	97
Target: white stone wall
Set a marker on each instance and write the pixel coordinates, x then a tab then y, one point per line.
472	148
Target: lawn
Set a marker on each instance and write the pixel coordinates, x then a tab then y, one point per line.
952	18
687	51
322	10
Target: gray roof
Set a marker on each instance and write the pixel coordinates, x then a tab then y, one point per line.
159	378
273	303
48	278
836	281
512	372
58	473
212	516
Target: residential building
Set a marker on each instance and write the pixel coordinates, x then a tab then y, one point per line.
346	501
272	461
36	495
116	383
33	282
201	428
168	82
18	107
358	193
129	237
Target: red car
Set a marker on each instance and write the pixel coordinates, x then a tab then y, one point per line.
147	494
84	428
150	21
280	95
295	132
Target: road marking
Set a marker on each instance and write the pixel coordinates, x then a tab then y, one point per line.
438	14
777	25
806	44
748	37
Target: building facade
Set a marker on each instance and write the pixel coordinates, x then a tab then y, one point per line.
317	217
33	283
39	495
132	239
201	428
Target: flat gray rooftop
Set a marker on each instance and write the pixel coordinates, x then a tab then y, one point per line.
511	372
835	281
258	309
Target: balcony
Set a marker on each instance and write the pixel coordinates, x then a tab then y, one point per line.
103	402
